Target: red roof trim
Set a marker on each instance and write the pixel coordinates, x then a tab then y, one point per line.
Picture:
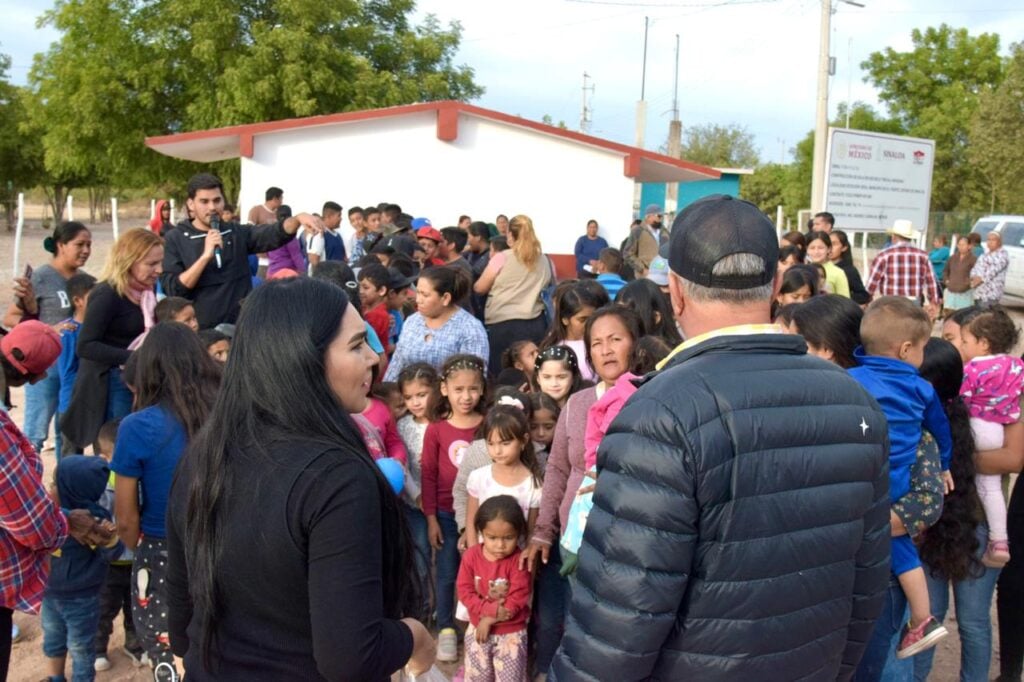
245	145
631	166
445	109
447	125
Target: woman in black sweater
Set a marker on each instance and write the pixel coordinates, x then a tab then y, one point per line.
288	554
113	319
842	256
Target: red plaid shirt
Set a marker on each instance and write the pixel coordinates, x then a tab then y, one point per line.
31	524
903	270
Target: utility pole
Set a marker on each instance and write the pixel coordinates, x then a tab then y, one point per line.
675	144
587	115
821	117
641	116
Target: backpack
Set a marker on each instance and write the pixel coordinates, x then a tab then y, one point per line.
547	294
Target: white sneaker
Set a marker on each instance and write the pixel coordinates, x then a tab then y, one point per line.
448	646
102	663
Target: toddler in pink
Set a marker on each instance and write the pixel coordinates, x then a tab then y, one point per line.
992	386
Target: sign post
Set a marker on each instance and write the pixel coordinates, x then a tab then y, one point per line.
18	231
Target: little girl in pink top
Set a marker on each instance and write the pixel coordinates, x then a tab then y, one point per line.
992	387
379	416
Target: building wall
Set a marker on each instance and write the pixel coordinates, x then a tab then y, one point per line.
654	192
491	168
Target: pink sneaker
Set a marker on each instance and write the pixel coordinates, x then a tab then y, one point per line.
924	636
997	555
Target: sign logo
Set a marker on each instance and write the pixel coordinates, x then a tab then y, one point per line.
918	157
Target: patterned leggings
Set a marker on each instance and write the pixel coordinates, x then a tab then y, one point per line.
502	658
149	607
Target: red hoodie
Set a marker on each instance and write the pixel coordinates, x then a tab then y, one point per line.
156	223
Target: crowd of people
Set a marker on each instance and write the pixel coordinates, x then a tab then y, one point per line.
707	455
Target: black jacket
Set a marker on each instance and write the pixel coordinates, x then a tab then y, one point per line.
219	291
740	528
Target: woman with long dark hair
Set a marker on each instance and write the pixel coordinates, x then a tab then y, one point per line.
654	309
175	382
288	552
830	325
842	257
952	547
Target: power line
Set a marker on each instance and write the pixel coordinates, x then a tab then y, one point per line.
671	5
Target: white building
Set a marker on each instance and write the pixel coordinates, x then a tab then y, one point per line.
441	160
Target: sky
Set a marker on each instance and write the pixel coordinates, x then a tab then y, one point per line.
751	63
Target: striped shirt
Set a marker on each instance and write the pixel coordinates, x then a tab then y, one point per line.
903	270
31	524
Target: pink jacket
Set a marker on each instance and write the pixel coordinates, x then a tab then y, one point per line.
603	412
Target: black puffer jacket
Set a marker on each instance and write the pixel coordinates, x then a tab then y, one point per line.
740	528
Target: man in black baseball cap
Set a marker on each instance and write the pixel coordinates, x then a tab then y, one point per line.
741	517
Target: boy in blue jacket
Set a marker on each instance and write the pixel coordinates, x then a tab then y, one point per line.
894	332
71	602
78	288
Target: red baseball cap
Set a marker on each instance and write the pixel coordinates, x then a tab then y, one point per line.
429	233
37	344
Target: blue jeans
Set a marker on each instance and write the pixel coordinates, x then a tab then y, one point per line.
69	625
119	398
421	553
40	406
879	661
447	569
973	599
551	602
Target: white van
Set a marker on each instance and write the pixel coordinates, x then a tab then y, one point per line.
1011	229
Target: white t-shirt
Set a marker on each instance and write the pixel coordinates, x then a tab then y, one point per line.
482	486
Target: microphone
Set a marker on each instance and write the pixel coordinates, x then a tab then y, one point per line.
215	225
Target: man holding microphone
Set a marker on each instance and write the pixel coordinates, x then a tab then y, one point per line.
207	262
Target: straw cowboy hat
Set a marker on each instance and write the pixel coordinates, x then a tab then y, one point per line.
903	228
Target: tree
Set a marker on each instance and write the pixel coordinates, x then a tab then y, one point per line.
126	69
20	155
933	91
722	146
862	117
997	138
767	187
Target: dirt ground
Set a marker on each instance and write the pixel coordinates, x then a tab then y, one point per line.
27	661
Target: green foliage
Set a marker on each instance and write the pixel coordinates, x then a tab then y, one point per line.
126	69
862	117
547	120
20	155
722	146
767	187
933	91
997	138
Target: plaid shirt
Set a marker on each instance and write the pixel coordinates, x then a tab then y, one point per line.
31	525
903	270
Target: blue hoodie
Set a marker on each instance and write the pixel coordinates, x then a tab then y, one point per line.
911	406
77	570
